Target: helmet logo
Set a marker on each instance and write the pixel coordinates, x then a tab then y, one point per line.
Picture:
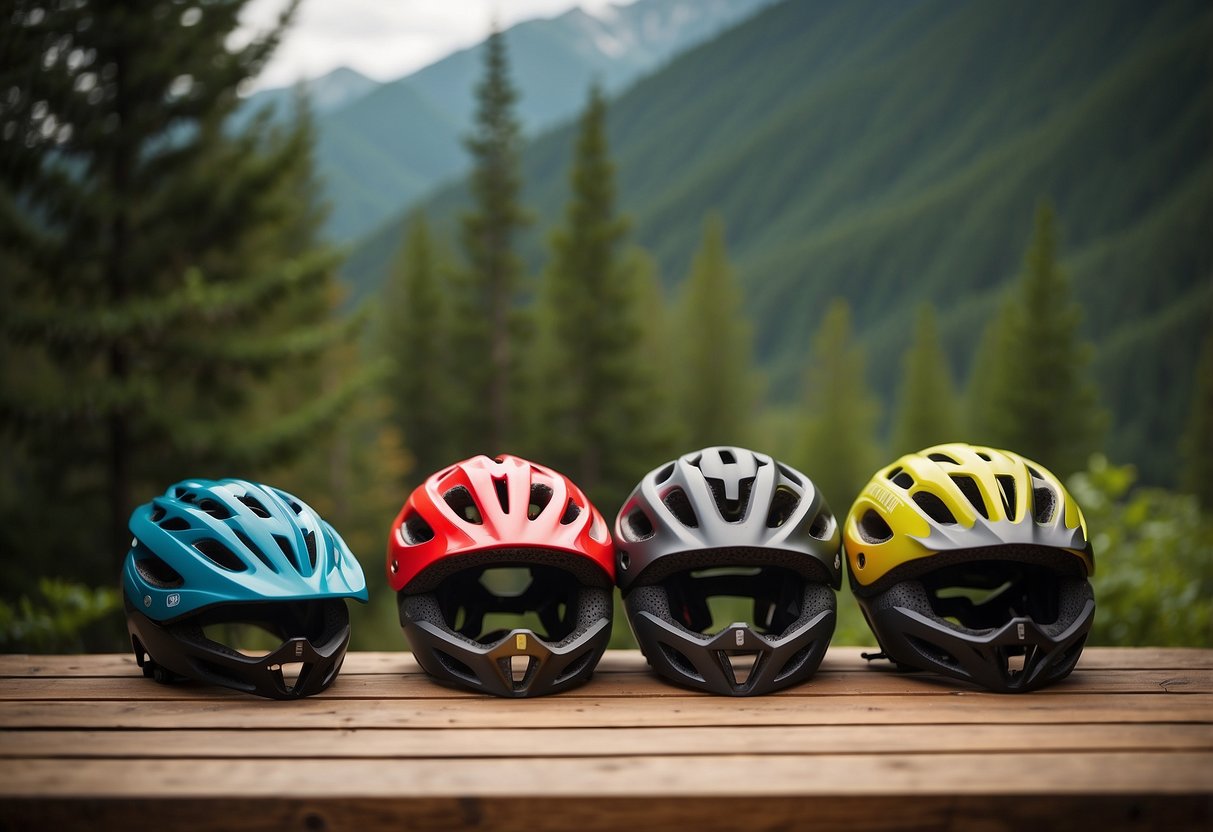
837	560
147	600
739	637
520	641
298	649
173	599
1019	630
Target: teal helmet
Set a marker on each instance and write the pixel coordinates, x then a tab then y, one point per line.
213	552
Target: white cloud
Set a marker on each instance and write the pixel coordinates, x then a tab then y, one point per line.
386	39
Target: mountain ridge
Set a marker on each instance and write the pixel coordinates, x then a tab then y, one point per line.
897	157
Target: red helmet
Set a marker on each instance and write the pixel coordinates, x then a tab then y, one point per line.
448	555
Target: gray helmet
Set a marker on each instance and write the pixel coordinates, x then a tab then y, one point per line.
729	522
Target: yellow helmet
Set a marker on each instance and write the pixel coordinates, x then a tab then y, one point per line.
973	562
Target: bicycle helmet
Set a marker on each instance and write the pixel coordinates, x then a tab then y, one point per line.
973	562
503	572
222	552
727	522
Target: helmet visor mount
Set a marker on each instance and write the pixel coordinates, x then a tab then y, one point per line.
1002	623
734	631
312	639
513	629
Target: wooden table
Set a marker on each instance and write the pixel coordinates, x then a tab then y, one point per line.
87	742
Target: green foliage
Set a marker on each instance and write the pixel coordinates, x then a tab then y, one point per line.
1040	401
414	334
64	618
1154	574
716	391
166	305
1196	446
926	400
597	394
838	449
486	326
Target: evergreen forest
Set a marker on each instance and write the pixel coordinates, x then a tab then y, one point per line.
836	233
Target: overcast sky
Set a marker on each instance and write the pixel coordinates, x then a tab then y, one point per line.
387	38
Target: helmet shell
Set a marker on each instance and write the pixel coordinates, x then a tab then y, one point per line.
959	497
233	541
725	497
481	504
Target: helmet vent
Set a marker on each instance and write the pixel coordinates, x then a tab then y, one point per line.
984	456
740	665
158	573
731	510
571	512
502	489
680	506
157	513
637	526
665	473
575	667
455	667
676	658
309	543
174	524
254	505
415	530
873	528
1044	503
901	478
461	502
1006	484
938	457
789	473
934	507
214	509
823	525
220	555
541	495
783	505
968	487
252	547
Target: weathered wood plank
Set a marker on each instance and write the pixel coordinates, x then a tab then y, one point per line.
837	659
559	711
601	742
1177	772
604	684
984	812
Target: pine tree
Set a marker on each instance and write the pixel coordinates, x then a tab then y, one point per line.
839	451
486	322
926	406
413	334
165	302
1040	401
601	419
717	391
1196	446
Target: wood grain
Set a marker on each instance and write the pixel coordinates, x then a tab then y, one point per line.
838	658
384	686
814	740
1125	743
556	711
